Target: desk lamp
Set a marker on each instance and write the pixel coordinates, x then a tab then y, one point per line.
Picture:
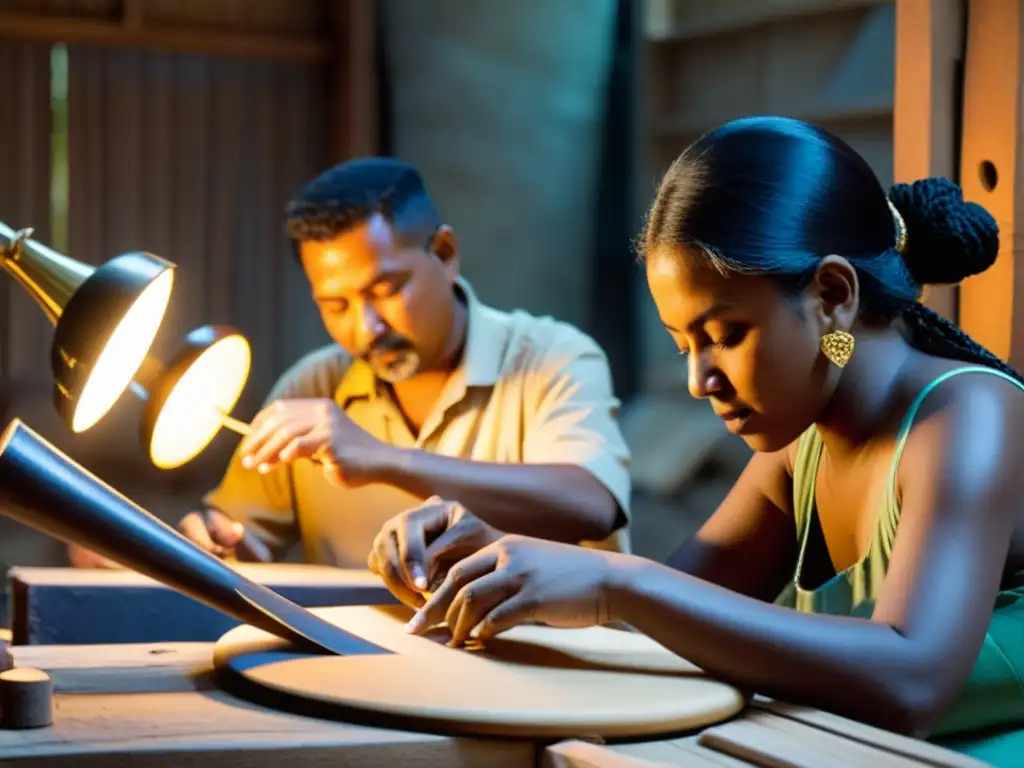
190	398
105	319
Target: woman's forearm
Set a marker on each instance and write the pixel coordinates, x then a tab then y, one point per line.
855	667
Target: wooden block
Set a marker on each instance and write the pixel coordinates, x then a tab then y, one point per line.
26	698
71	606
777	742
931	754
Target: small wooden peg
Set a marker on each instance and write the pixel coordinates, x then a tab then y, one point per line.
26	698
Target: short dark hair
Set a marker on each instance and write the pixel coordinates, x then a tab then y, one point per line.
773	196
346	195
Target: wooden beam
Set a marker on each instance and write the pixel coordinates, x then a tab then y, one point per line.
929	48
354	108
20	26
990	171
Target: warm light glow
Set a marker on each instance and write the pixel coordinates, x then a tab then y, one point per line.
194	410
124	352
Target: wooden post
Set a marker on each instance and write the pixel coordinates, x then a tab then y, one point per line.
354	109
990	171
929	46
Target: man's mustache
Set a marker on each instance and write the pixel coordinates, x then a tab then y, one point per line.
388	343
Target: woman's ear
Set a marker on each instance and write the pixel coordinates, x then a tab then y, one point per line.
835	294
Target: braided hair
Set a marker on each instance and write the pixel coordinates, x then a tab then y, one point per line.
773	196
947	240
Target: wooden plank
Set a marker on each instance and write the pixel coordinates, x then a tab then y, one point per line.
121	668
924	752
684	751
62	606
212	729
71	30
991	145
677	20
778	742
929	49
692	125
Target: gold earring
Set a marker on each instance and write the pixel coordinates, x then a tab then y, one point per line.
837	346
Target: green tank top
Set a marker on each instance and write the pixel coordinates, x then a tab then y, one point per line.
993	698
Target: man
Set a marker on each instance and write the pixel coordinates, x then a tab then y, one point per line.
425	392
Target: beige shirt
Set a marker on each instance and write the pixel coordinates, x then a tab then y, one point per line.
529	390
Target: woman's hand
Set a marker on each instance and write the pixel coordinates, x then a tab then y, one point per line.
517	580
415	549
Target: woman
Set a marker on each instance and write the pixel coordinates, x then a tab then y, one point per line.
870	559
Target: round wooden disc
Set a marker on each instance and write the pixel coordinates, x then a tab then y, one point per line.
532	682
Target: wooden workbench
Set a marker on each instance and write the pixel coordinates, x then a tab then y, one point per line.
155	705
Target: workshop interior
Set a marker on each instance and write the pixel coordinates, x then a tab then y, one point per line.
151	298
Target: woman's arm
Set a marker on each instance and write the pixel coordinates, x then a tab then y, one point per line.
749	544
960	488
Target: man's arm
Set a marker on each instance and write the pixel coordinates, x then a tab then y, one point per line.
573	484
264	502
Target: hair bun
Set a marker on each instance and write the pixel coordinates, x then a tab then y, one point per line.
947	239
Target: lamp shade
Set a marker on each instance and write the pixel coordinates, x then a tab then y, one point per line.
45	489
105	319
188	398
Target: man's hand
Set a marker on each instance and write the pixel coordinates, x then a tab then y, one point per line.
416	548
212	531
319	430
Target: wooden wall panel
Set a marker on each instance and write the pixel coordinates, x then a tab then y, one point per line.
989	302
294	17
